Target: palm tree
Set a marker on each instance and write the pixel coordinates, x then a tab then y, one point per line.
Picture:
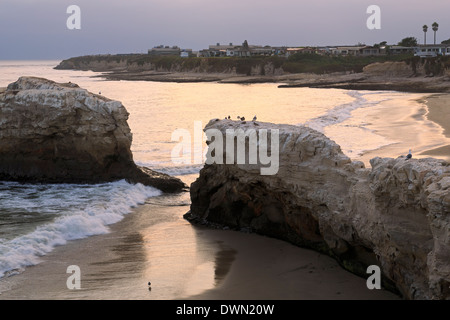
425	29
435	27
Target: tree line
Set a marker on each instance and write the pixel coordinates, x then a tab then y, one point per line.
413	42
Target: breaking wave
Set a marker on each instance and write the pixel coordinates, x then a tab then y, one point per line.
57	213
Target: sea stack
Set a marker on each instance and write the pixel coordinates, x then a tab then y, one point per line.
60	133
395	215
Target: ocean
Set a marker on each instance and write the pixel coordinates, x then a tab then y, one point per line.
37	219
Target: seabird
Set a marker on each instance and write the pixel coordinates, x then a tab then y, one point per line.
229	117
149	285
243	118
254	118
239	118
409	156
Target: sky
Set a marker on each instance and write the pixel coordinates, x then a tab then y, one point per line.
37	29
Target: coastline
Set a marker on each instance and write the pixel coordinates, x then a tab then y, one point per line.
347	81
397	72
322	200
439	112
185	262
231	281
230	261
414	119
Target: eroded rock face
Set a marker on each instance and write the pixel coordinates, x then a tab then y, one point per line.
52	132
390	69
395	215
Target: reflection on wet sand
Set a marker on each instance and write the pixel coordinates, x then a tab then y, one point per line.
182	262
224	260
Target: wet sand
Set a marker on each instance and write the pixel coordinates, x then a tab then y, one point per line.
439	112
270	269
219	265
154	243
417	123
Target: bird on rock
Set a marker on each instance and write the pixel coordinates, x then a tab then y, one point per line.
409	156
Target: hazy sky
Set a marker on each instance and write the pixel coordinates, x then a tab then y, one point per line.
36	29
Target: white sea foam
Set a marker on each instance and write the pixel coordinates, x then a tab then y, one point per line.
353	136
341	112
78	211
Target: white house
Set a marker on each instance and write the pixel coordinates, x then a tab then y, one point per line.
347	50
432	50
401	49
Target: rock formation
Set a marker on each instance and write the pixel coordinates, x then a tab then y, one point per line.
52	132
395	215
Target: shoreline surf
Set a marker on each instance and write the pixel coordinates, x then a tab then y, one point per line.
154	243
129	260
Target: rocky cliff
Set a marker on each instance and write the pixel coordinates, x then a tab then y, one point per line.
412	74
395	215
413	67
52	132
128	66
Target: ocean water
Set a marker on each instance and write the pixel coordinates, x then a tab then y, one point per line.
36	218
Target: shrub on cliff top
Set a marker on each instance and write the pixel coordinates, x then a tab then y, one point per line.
315	63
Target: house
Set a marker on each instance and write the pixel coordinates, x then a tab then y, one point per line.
323	50
186	53
370	51
217	50
238	52
279	51
303	50
432	50
291	51
165	51
400	50
260	50
347	50
230	50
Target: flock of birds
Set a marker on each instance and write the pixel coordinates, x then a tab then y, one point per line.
241	118
408	156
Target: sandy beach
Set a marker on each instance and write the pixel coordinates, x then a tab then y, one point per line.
269	269
190	262
185	262
414	124
236	266
439	112
154	243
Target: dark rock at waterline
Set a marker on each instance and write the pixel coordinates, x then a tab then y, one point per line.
61	133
